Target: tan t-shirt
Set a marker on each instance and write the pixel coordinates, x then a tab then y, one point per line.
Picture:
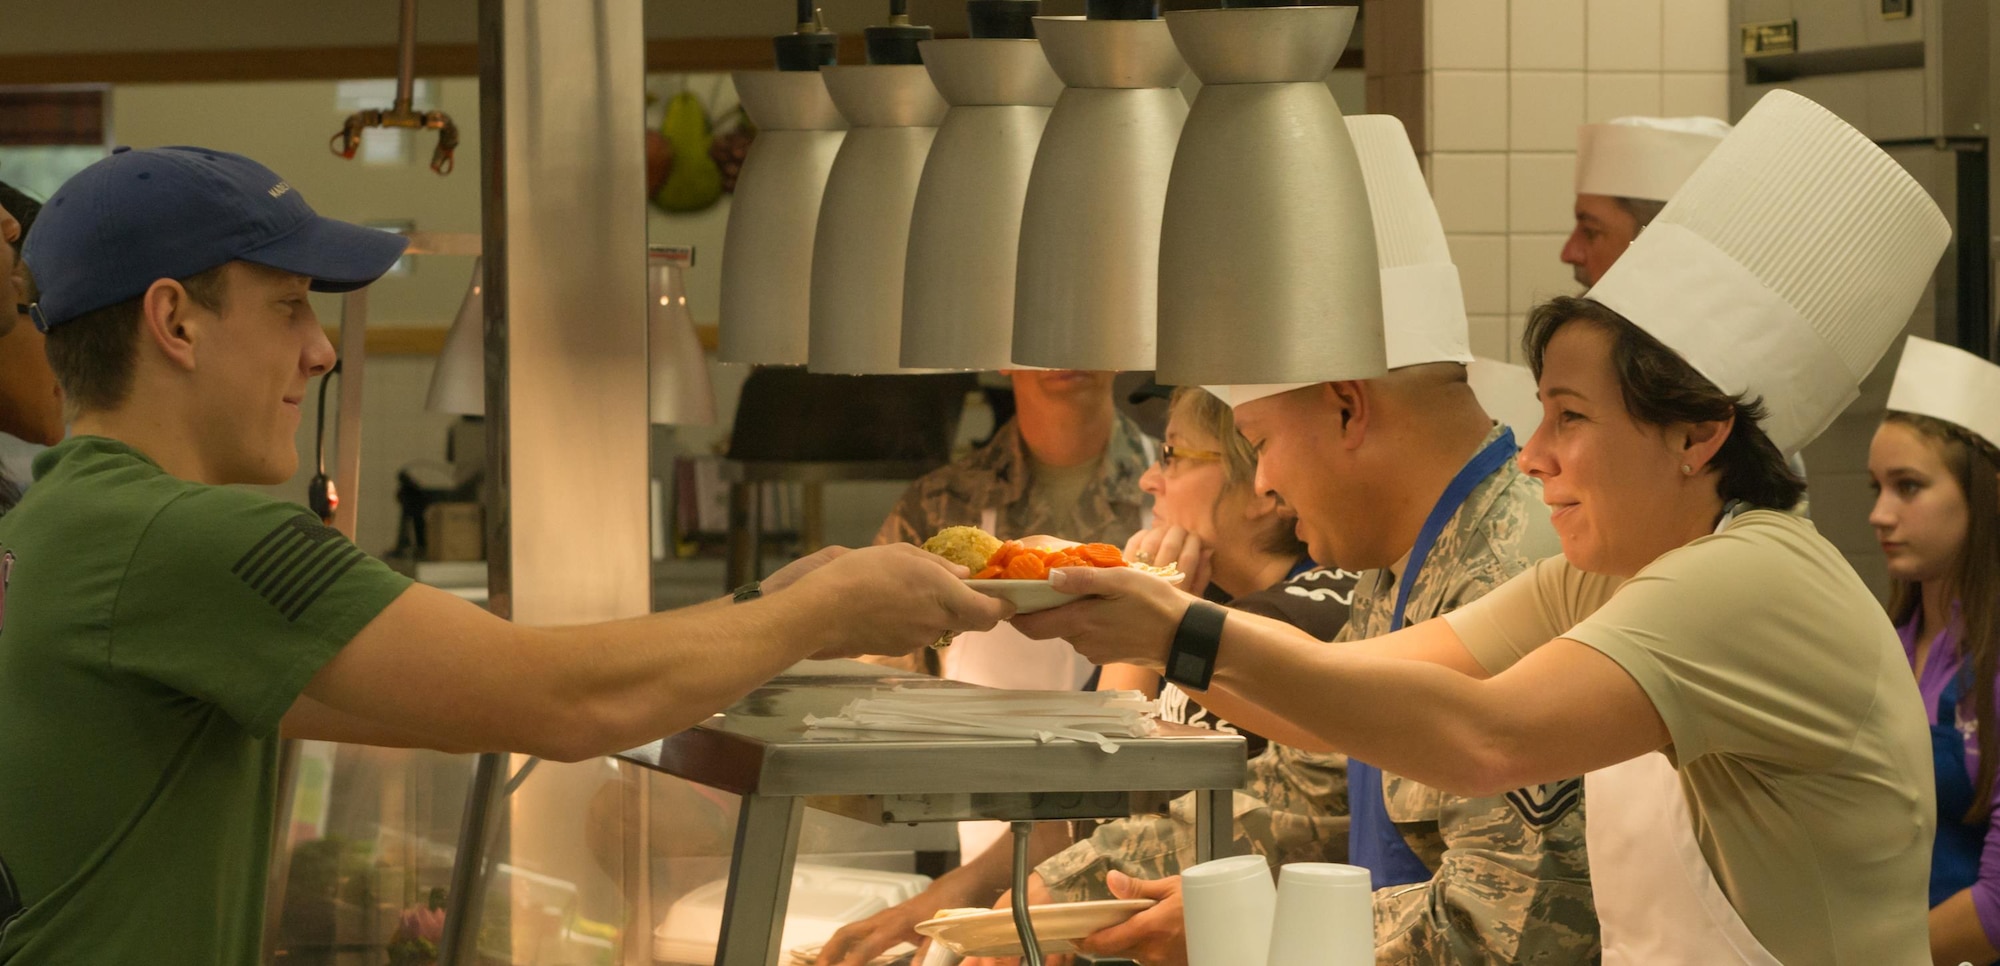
1796	726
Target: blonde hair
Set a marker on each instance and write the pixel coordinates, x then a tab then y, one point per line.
1204	412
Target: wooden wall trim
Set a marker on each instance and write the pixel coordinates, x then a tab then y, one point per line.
664	55
429	341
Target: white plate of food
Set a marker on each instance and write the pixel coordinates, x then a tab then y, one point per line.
990	932
1017	571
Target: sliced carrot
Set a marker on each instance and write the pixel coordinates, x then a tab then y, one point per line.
1005	553
1027	566
1101	555
989	573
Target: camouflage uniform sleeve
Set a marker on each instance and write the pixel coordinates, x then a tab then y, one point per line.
1509	890
1293	810
902	524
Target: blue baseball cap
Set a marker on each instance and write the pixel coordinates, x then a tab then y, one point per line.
140	216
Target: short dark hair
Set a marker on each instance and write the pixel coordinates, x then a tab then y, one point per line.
93	354
1660	389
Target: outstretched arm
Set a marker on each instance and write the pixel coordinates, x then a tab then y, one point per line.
432	669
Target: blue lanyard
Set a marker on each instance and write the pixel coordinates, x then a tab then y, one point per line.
1469	477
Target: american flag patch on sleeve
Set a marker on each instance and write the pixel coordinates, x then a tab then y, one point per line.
294	564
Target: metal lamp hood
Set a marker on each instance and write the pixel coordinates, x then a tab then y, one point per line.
958	290
893	112
768	250
1087	282
1268	270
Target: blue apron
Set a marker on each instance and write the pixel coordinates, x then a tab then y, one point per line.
1373	842
1955	852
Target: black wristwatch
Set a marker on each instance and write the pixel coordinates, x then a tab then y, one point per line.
747	592
1191	659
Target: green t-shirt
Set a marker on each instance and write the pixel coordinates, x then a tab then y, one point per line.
153	633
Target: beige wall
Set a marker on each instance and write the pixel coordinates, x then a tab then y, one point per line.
112	25
1493	92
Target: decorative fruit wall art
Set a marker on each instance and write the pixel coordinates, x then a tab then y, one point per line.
694	157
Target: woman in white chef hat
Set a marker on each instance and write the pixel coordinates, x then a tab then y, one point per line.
1791	817
1935	464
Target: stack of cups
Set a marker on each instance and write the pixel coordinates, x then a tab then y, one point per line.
1230	904
1325	917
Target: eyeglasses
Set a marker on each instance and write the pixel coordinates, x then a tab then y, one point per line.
1170	454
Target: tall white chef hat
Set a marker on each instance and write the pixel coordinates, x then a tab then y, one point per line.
1423	307
1785	266
1643	157
1948	383
1508	393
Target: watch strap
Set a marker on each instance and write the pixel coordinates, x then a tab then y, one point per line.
1191	659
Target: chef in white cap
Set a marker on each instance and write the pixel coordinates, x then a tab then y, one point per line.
1935	465
1626	170
1688	615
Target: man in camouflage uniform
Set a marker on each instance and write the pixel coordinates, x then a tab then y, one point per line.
1510	878
1002	483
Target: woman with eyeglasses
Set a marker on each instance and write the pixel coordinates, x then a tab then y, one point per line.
1236	545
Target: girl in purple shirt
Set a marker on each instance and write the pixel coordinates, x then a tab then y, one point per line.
1937	517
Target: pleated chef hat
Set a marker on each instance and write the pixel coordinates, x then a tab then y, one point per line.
1423	307
1948	383
1785	266
1643	157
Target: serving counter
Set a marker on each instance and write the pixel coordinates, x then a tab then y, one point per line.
762	750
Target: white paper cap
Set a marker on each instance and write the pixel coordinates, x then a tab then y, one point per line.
1423	308
1236	396
1507	393
1786	265
1948	383
1643	157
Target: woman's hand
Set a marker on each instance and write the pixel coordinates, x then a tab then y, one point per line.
1167	544
1126	616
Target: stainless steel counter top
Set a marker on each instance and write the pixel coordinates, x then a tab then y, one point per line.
761	745
762	750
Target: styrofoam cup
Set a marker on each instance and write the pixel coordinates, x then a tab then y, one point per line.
1229	906
1325	917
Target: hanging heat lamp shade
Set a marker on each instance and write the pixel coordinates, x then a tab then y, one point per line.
1087	282
1268	270
458	382
958	289
768	251
679	388
892	111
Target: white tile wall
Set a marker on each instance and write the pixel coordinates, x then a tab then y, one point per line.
1545	109
1545	35
1490	337
1466	34
1609	95
1541	192
1468	110
1694	35
1685	94
1495	92
1471	191
1535	271
1482	271
1622	34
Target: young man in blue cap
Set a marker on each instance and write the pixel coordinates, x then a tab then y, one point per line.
159	630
